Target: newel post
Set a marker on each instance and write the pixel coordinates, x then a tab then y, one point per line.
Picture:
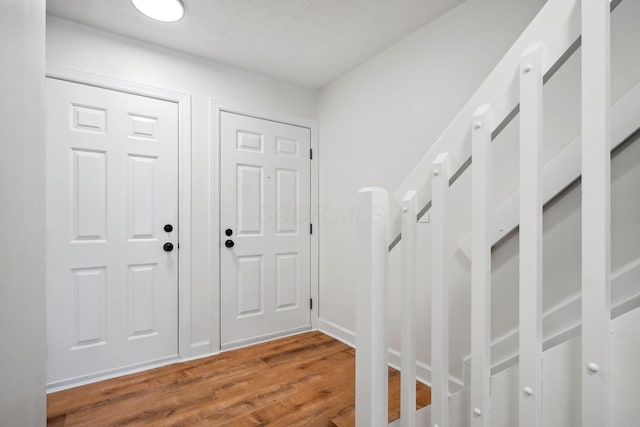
371	320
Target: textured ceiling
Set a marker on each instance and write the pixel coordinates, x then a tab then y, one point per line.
309	42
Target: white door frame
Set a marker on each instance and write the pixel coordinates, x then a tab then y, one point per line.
184	180
217	106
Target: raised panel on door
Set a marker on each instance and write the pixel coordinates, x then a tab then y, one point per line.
287	279
90	288
141	307
140	209
265	202
89	195
90	119
249	289
249	199
287	201
111	187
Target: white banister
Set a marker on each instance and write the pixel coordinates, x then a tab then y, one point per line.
530	254
371	323
480	269
440	172
596	244
558	26
510	90
408	338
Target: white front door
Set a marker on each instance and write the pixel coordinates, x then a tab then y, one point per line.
112	199
265	231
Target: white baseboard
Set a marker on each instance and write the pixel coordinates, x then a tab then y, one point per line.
200	348
110	373
264	338
337	332
423	370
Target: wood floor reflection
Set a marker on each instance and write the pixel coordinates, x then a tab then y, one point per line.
302	380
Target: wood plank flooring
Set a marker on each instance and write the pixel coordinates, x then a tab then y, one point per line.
303	380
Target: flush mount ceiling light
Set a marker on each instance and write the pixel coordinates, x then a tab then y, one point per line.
161	10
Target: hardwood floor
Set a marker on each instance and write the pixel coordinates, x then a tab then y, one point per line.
303	380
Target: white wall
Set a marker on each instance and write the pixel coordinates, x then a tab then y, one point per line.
22	185
377	121
79	47
380	119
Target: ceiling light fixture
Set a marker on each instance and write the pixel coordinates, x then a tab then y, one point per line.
161	10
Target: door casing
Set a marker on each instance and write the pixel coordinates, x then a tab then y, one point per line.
184	184
216	108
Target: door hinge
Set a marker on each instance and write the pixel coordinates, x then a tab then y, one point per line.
310	153
310	228
310	303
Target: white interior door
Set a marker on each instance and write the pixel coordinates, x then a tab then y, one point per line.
265	211
112	288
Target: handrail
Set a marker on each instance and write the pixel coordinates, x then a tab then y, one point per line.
508	117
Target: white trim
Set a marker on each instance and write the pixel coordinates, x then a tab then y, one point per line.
110	373
144	366
201	347
184	179
338	332
97	80
263	338
215	108
423	370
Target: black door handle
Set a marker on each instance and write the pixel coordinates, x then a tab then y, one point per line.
168	247
229	243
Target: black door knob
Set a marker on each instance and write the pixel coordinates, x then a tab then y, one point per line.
168	247
228	232
168	228
229	243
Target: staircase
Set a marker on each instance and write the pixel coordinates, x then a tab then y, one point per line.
537	387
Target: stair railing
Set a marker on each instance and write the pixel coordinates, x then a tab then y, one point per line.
374	220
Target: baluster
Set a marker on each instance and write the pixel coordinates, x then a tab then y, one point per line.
530	341
439	292
480	269
408	339
371	322
596	243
